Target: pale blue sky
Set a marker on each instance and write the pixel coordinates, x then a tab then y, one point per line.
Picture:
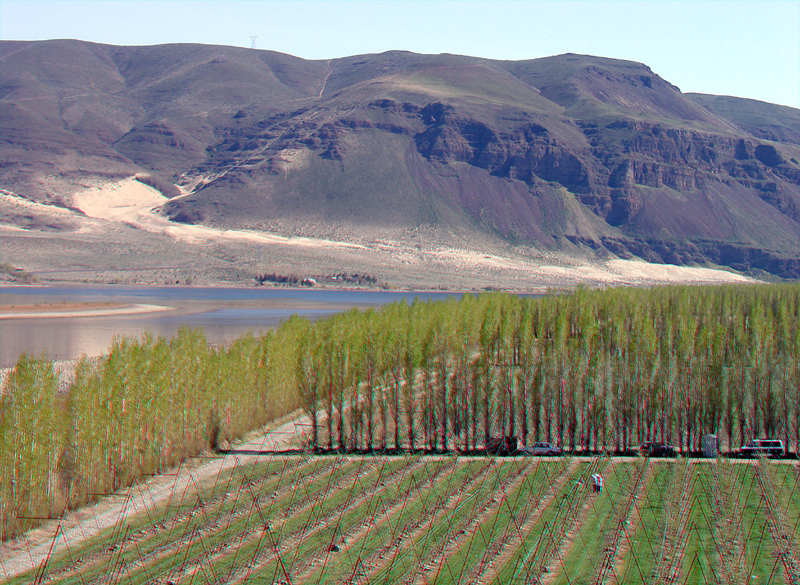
730	47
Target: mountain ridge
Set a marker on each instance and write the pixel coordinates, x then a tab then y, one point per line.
574	153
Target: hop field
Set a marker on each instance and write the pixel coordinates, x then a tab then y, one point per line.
448	519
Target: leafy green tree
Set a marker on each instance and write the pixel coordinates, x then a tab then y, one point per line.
411	361
309	374
33	447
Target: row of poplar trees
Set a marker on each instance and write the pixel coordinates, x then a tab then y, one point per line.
591	370
144	408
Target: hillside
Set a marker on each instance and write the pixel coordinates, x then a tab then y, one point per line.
572	154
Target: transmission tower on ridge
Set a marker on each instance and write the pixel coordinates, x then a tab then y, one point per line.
253	42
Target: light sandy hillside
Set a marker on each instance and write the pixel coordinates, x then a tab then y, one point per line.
115	233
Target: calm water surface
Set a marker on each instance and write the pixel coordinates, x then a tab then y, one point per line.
224	314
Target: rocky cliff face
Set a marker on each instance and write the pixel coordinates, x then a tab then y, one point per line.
575	153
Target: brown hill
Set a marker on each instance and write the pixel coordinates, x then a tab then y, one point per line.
573	153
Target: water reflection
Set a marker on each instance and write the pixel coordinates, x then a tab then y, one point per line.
224	314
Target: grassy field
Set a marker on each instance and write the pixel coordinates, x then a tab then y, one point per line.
450	520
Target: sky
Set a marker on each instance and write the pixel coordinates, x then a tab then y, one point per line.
743	48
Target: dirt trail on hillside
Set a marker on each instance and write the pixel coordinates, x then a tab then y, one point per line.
34	548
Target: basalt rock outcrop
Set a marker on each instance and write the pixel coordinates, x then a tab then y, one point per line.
574	153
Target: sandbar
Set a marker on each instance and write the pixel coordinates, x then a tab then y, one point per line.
63	310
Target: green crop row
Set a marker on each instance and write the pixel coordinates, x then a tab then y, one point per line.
705	544
534	552
401	507
157	531
502	526
603	526
788	482
273	521
420	524
323	541
148	544
446	520
431	550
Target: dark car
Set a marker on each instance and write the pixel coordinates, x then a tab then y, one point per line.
657	449
763	447
502	445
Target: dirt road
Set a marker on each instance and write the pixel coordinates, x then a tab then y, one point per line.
32	549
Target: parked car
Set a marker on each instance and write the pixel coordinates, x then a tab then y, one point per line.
765	447
502	445
541	449
657	449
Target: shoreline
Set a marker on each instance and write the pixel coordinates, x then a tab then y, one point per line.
533	289
65	310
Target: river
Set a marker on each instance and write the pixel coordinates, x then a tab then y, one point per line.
224	314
